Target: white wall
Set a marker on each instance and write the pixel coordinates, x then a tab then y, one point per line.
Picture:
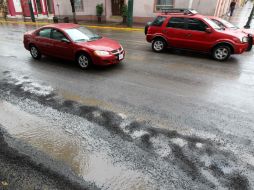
205	7
182	3
64	7
88	5
143	8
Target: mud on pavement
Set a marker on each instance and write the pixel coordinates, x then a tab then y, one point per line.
158	158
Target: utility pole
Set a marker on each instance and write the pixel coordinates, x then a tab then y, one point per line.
247	25
31	10
130	13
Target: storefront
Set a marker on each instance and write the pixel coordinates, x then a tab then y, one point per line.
40	7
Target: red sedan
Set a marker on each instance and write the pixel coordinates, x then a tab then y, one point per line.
73	42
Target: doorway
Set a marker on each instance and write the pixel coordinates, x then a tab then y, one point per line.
117	7
25	8
50	6
38	5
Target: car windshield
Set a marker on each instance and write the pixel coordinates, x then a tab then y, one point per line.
82	34
212	24
227	24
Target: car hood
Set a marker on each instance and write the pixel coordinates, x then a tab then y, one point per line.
248	31
236	33
104	44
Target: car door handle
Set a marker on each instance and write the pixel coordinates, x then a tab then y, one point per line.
189	35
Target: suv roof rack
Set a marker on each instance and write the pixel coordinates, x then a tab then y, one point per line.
184	11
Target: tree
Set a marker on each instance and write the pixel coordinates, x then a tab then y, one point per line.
4	8
73	11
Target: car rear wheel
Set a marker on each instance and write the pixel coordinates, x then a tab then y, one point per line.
158	45
83	61
221	53
35	53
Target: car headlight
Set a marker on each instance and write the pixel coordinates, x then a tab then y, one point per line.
245	39
101	53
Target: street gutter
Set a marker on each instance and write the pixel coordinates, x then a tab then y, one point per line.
88	26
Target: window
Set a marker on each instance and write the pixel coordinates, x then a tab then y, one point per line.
45	33
160	4
223	23
58	35
218	23
78	5
158	21
176	22
212	24
81	34
196	24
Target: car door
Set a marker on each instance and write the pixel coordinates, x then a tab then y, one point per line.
196	37
175	31
63	47
43	41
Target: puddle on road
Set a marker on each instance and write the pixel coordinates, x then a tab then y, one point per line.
51	139
37	132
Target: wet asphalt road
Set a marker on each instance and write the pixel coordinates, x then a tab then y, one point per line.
175	120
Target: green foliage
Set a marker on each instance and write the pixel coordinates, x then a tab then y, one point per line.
99	9
124	10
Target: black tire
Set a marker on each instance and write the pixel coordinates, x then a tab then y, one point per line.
158	45
84	61
35	53
221	52
250	44
249	47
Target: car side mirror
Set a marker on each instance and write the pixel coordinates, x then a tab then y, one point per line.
208	30
65	40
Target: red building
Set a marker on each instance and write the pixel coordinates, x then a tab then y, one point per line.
40	7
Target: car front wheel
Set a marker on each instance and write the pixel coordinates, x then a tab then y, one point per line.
35	53
221	53
83	61
158	45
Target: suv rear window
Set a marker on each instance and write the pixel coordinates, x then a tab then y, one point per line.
176	22
158	21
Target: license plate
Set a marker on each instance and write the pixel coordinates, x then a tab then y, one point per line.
120	56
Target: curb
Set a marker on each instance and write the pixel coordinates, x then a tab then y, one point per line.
88	26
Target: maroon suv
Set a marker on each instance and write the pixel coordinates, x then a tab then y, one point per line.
186	29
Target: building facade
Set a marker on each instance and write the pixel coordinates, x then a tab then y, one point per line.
144	10
41	8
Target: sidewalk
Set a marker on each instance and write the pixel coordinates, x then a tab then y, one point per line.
90	24
241	15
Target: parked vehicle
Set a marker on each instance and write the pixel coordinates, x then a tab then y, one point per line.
186	29
227	25
73	42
